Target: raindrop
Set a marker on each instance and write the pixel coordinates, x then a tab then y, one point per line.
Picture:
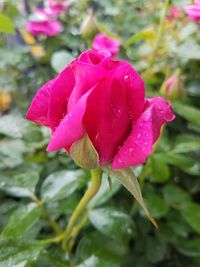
146	119
139	135
131	149
126	77
145	143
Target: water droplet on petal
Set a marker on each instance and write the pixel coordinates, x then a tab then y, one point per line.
126	77
131	149
139	135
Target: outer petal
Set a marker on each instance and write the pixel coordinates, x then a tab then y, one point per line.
38	110
144	134
71	128
86	76
135	89
106	120
59	95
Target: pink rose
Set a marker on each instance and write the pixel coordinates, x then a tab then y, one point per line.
193	11
42	23
57	6
104	98
103	42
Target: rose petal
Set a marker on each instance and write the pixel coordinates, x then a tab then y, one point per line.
86	76
71	128
61	89
106	118
135	88
144	134
38	109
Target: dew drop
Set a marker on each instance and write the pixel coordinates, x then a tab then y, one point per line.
126	77
145	143
139	135
146	119
131	149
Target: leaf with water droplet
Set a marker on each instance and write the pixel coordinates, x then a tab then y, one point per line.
127	178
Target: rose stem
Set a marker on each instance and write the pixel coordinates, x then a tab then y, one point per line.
160	32
96	177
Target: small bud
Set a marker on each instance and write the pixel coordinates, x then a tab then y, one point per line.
5	101
172	88
89	27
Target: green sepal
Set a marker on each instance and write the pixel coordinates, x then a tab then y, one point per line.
84	154
127	178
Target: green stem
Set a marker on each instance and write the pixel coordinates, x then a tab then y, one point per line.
161	30
89	194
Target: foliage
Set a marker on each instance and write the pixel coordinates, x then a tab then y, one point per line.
39	190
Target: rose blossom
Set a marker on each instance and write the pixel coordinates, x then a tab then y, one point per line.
193	11
103	42
57	6
104	98
42	23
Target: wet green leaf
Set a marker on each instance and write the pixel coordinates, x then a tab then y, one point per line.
21	221
15	253
112	223
19	183
60	184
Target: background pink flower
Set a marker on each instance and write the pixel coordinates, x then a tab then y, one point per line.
193	11
103	42
57	6
42	23
104	98
173	13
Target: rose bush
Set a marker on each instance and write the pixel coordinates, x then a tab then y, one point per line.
104	98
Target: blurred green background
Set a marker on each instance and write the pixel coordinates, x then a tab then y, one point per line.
39	190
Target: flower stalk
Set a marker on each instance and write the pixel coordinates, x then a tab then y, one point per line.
96	177
161	30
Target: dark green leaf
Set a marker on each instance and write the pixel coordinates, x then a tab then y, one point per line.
191	213
191	114
22	220
175	196
107	251
15	253
156	205
190	248
160	169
